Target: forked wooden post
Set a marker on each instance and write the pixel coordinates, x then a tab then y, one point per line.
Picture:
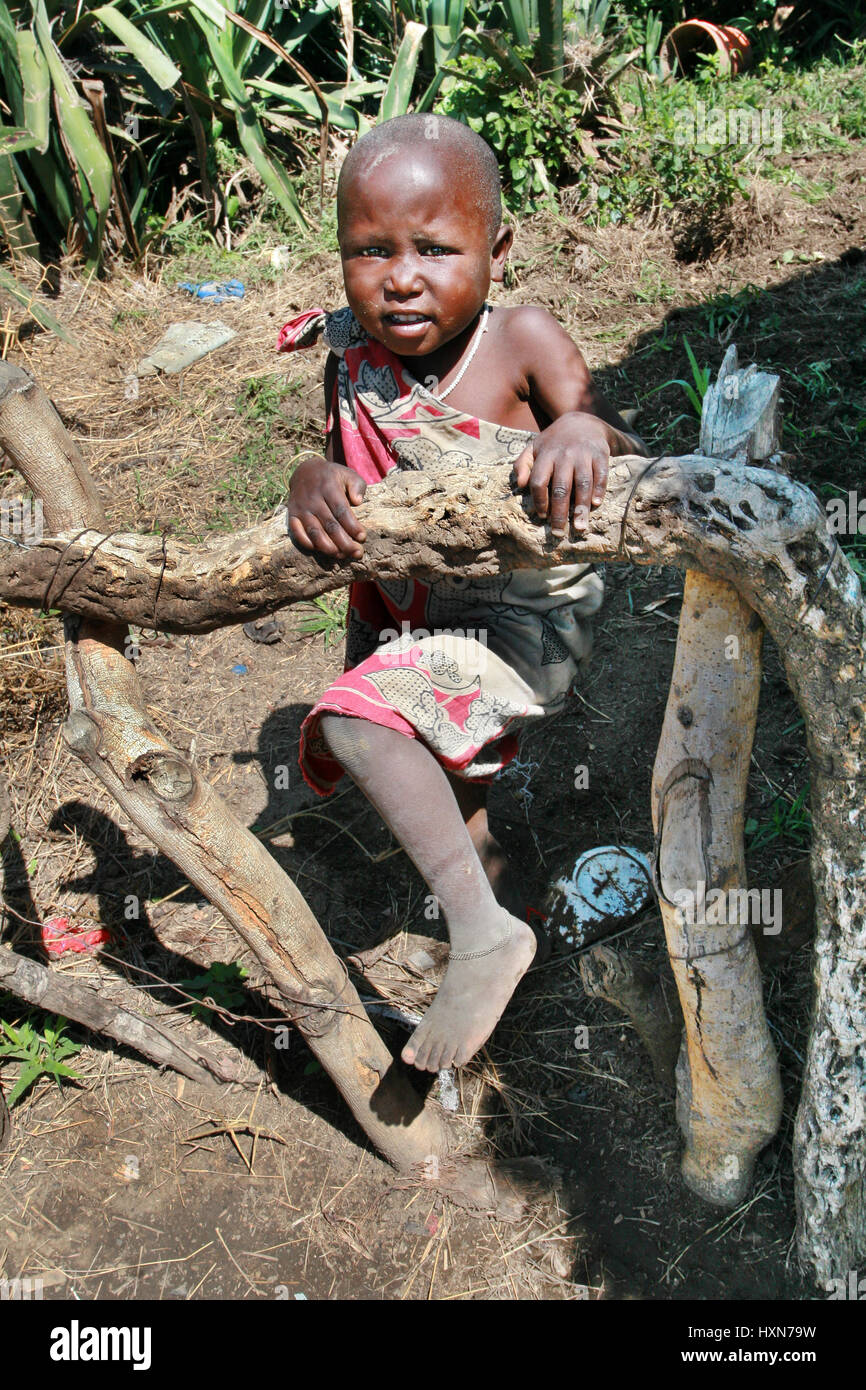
729	1095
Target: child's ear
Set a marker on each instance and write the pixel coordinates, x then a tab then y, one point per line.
499	252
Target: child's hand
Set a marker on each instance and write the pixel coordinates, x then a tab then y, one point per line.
566	468
320	514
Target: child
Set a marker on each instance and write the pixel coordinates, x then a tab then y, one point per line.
423	372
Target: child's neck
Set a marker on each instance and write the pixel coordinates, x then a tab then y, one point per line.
447	357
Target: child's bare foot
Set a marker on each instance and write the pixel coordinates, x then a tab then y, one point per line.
472	997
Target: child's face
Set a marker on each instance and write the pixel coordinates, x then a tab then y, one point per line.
416	251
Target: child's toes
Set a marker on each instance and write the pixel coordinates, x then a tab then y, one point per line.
463	1054
421	1052
440	1057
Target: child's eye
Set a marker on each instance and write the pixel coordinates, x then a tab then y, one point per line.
436	251
372	251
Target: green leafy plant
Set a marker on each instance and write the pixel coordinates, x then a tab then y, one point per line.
95	167
647	30
695	389
658	170
260	471
40	1054
789	820
533	130
527	42
221	985
328	617
725	312
856	552
816	380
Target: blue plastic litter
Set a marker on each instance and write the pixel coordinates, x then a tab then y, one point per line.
608	886
240	669
214	291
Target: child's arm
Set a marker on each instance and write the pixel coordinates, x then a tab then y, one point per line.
566	465
323	491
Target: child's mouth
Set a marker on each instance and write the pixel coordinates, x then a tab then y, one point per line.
407	325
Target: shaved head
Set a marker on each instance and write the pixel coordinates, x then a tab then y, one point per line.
470	159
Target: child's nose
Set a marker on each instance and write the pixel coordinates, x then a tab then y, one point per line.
404	275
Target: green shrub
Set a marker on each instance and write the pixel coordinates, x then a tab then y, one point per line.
658	171
534	130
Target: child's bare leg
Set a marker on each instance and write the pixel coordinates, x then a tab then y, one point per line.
410	791
471	798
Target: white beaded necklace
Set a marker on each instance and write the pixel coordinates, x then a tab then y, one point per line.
473	348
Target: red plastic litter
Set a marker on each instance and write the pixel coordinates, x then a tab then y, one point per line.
58	936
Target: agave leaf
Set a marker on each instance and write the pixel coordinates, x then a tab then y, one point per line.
429	95
496	46
9	66
37	87
550	50
258	12
55	178
13	138
214	11
347	21
83	142
15	223
398	93
300	97
447	14
157	63
312	16
518	21
249	131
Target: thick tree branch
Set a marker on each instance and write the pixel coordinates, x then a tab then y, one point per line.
737	523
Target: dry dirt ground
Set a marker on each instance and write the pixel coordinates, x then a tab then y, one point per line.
131	1183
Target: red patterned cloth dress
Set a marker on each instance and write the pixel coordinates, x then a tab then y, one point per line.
460	663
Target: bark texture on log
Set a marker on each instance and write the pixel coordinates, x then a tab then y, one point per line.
760	530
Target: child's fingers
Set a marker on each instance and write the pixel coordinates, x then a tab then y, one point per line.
317	532
345	544
351	525
582	494
560	495
343	514
299	533
523	466
355	489
539	484
340	521
600	470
